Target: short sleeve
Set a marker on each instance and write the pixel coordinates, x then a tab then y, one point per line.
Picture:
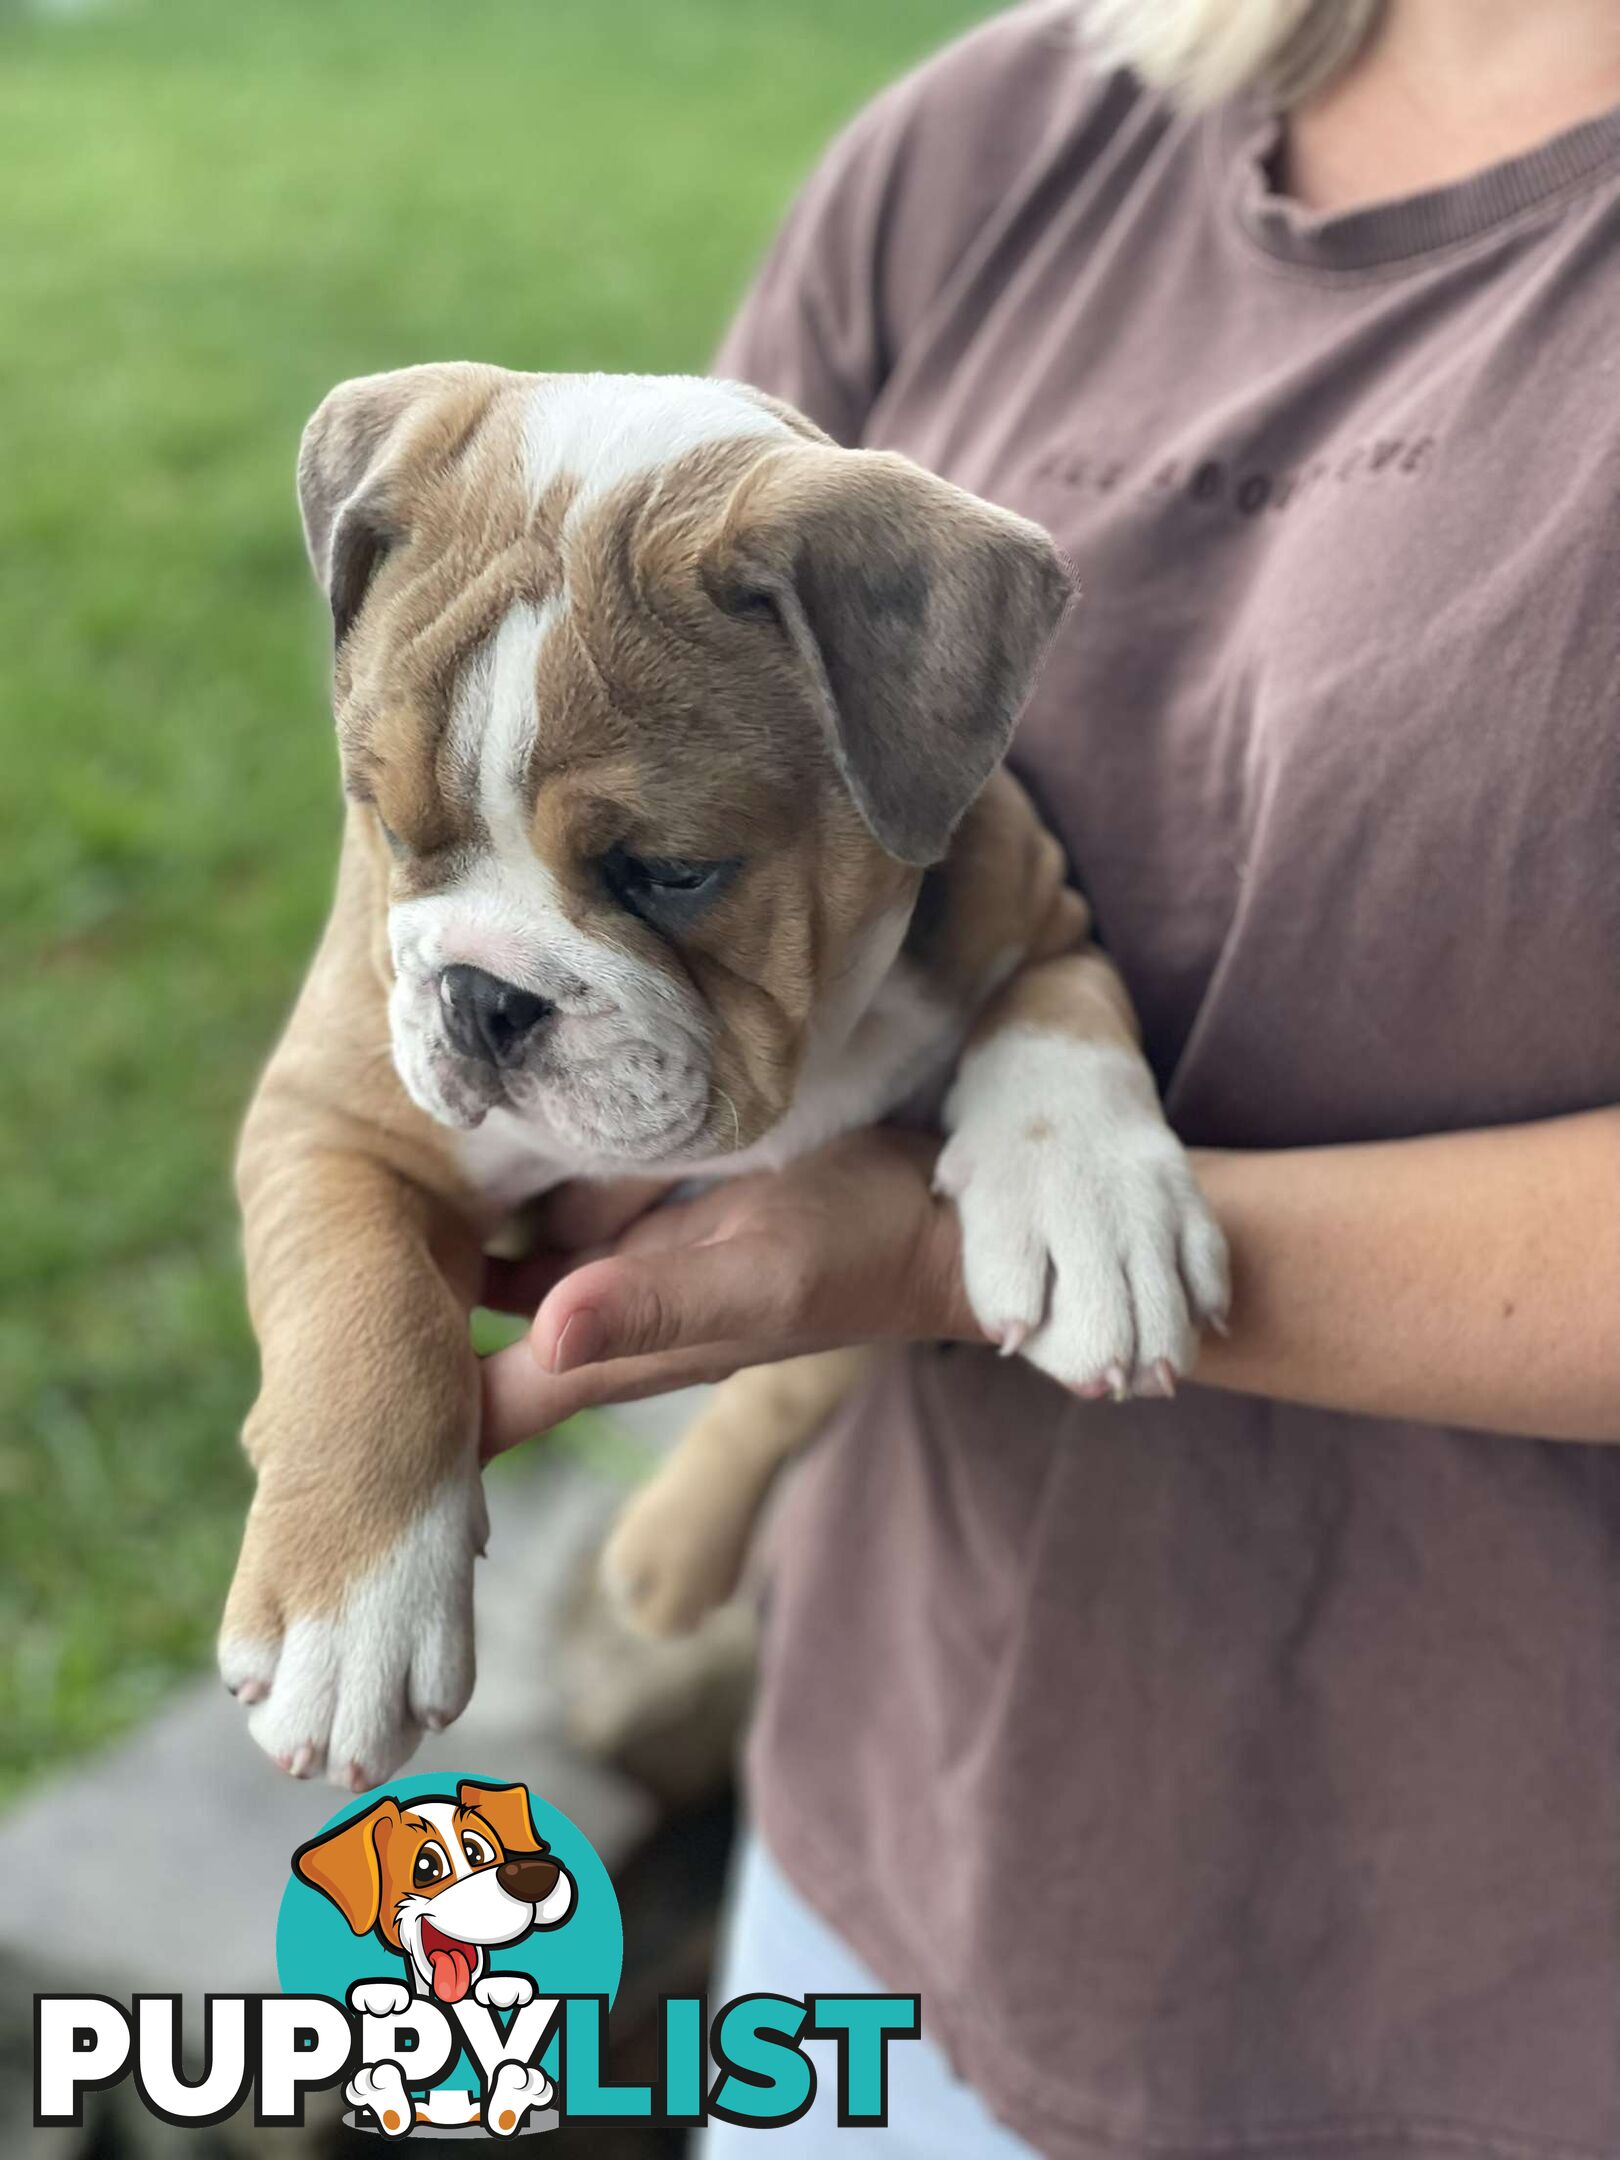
893	209
811	327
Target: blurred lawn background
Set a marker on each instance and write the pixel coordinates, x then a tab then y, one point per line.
208	214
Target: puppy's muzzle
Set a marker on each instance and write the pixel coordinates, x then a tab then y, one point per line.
487	1018
529	1877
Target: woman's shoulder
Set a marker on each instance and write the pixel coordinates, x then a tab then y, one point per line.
970	115
898	201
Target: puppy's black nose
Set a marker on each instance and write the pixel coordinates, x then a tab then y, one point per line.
530	1877
488	1018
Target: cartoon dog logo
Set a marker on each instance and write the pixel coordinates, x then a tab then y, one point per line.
441	1882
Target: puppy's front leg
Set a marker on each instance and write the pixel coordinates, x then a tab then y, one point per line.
349	1624
1086	1243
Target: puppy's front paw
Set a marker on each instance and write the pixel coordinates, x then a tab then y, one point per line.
504	1991
514	2090
1086	1243
382	2090
344	1642
380	1998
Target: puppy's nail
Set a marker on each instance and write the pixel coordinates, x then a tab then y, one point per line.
1012	1338
1118	1383
250	1692
1221	1323
1092	1390
355	1778
580	1342
1164	1378
304	1760
435	1720
283	1762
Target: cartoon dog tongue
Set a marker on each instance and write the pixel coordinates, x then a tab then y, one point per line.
452	1965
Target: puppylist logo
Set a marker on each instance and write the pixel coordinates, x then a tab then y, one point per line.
449	1957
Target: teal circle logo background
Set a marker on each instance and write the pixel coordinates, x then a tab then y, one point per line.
317	1955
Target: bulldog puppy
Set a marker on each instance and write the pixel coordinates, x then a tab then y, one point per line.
675	843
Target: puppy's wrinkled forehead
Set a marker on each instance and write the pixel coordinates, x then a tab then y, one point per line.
538	622
662	558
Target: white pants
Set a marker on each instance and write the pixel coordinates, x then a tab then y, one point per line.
776	1944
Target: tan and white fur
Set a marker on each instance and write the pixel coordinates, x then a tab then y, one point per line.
677	843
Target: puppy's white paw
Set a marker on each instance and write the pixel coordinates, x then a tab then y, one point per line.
348	1693
381	2088
515	2088
379	1998
504	1991
1086	1243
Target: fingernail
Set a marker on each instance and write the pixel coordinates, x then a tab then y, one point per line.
580	1342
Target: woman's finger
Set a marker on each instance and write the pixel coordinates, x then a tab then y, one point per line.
736	1289
523	1400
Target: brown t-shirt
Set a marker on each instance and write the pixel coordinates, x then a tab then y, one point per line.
1231	1777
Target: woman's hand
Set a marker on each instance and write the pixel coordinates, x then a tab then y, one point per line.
848	1245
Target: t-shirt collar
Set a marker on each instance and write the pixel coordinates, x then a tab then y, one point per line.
1409	226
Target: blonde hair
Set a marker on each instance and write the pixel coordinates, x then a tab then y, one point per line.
1204	50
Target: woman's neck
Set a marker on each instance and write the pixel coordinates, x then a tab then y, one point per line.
1445	88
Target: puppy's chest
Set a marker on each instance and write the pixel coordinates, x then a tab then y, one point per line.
894	1062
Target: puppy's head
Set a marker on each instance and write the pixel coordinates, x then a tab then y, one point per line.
442	1881
653	704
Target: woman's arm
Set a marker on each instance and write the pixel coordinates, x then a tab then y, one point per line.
1469	1279
1466	1279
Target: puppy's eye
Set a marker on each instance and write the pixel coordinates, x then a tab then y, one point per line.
478	1853
431	1867
661	888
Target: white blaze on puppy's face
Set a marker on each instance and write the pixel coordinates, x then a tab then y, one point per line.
619	1065
598	431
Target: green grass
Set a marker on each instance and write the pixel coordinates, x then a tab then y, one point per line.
208	214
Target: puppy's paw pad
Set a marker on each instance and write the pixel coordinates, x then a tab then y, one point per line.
382	2090
515	2089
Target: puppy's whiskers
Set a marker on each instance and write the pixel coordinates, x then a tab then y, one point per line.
736	1121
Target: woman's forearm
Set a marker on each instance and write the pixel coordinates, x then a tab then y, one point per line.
1466	1279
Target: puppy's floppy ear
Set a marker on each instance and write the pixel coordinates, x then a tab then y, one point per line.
920	614
506	1809
346	1865
352	461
